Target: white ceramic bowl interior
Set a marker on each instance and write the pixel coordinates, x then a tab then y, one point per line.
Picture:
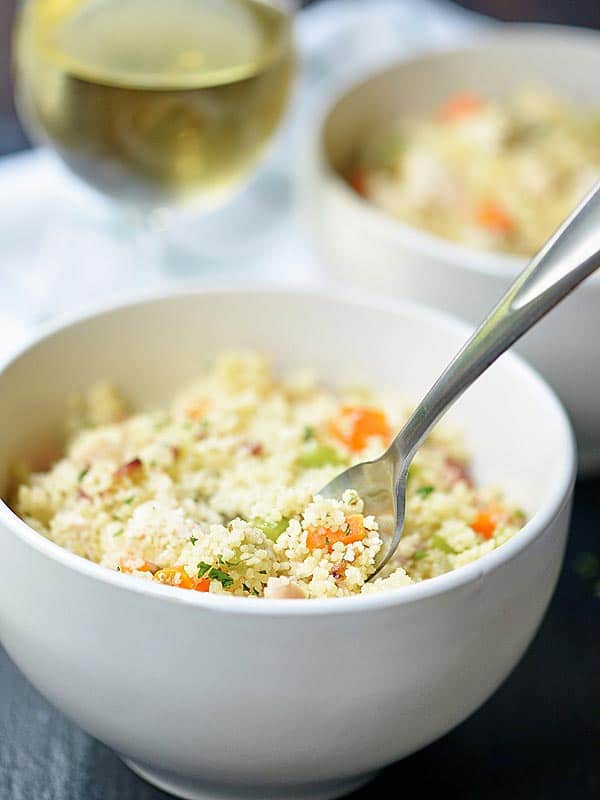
362	245
213	697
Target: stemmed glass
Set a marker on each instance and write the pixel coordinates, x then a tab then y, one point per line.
160	105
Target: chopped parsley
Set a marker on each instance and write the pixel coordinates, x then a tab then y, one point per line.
118	533
309	433
425	491
193	540
83	473
214	573
129	500
419	554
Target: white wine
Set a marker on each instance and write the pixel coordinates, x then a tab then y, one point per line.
152	101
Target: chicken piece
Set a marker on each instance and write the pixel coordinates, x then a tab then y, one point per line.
283	589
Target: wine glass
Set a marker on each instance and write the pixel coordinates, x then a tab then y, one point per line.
158	105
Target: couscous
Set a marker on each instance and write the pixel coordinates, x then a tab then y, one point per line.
500	175
219	493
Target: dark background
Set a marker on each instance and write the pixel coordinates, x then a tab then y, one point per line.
538	738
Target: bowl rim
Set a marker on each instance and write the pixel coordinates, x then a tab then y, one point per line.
467	574
496	264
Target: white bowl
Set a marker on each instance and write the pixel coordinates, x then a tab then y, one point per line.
220	697
360	244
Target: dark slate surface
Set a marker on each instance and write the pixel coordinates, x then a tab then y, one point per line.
538	738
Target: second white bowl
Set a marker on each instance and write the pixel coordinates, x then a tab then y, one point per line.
362	245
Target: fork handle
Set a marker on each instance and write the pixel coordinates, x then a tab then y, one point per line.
568	258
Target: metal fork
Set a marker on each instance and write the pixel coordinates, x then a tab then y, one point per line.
568	258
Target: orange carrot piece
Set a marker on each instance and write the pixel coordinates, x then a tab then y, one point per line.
355	425
460	105
494	217
196	412
178	577
324	538
148	566
356	528
318	538
485	524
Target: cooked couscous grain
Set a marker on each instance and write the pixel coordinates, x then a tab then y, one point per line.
218	494
498	174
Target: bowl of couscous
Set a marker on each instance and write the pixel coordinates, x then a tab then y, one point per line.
179	588
438	177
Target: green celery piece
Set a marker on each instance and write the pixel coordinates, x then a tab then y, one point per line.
319	455
272	530
441	544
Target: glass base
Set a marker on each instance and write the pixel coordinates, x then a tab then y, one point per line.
240	230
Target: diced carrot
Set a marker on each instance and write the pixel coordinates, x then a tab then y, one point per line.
324	538
356	527
494	217
196	412
177	576
318	538
148	566
460	105
355	425
485	523
359	181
